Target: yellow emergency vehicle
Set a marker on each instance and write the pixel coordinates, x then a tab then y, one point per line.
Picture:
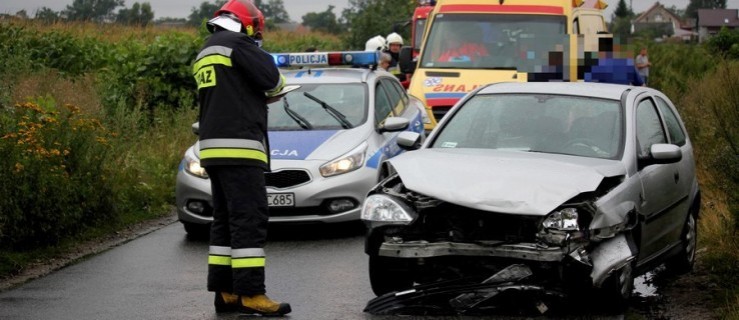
469	43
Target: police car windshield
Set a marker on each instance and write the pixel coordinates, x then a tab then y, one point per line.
349	99
494	41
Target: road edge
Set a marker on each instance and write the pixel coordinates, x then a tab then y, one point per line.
86	249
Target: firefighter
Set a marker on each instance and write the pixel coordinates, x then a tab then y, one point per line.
235	80
394	44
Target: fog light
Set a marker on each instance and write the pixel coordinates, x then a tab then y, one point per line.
196	207
341	205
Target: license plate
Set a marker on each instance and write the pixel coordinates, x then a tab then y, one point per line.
281	199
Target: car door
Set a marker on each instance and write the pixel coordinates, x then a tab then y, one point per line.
660	191
684	170
405	109
387	103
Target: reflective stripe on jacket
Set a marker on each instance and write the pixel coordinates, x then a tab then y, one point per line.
232	75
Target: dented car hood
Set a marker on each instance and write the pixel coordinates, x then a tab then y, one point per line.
513	182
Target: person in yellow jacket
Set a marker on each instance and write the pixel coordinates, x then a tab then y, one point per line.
235	80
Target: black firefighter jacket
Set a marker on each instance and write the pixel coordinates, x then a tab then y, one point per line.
233	74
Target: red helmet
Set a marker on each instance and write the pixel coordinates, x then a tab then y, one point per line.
251	18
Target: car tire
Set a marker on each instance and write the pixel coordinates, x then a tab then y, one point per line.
388	274
617	289
197	231
683	261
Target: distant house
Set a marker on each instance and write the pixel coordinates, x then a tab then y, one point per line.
710	21
663	22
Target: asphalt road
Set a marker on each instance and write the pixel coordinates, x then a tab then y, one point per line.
321	271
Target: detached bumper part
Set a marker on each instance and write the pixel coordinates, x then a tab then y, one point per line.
420	249
457	296
610	255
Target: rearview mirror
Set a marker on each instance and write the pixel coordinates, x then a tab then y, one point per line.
393	124
661	153
409	140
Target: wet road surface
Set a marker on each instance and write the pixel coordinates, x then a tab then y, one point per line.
320	270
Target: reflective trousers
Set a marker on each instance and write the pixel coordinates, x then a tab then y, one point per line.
239	230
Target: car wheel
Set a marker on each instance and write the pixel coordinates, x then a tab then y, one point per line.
683	261
388	274
618	288
196	230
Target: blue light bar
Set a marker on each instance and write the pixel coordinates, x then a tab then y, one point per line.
344	58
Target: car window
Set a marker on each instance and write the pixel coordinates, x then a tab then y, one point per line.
675	131
648	126
399	88
561	124
383	107
394	96
350	99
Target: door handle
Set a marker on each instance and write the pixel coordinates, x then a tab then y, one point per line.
676	176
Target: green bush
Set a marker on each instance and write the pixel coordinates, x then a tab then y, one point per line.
725	43
151	75
54	179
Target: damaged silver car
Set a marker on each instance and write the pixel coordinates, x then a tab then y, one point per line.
554	188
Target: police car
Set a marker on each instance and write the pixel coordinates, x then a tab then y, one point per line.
329	140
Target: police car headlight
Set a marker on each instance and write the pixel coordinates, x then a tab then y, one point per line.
383	208
351	161
192	166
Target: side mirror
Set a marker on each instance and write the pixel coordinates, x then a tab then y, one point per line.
392	124
196	128
409	140
405	60
662	153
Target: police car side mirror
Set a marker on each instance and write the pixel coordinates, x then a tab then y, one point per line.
196	128
393	124
409	140
405	60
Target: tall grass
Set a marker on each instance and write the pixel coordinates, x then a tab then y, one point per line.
711	111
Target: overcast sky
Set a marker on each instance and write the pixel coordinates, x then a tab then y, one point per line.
295	8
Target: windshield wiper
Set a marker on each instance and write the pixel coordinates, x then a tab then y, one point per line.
295	116
340	117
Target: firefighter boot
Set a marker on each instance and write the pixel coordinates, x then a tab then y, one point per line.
260	304
226	302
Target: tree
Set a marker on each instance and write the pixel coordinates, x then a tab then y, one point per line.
139	14
623	11
204	12
324	21
273	10
92	10
368	18
692	10
47	15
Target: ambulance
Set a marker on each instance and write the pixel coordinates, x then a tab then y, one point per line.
469	43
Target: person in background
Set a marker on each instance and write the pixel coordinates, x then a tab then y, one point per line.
376	43
643	64
394	44
612	66
235	80
458	47
385	61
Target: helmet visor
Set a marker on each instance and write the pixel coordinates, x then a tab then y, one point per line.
225	22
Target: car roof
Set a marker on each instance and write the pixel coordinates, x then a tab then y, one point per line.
329	75
584	89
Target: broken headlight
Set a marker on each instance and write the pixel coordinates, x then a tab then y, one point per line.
563	219
383	208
